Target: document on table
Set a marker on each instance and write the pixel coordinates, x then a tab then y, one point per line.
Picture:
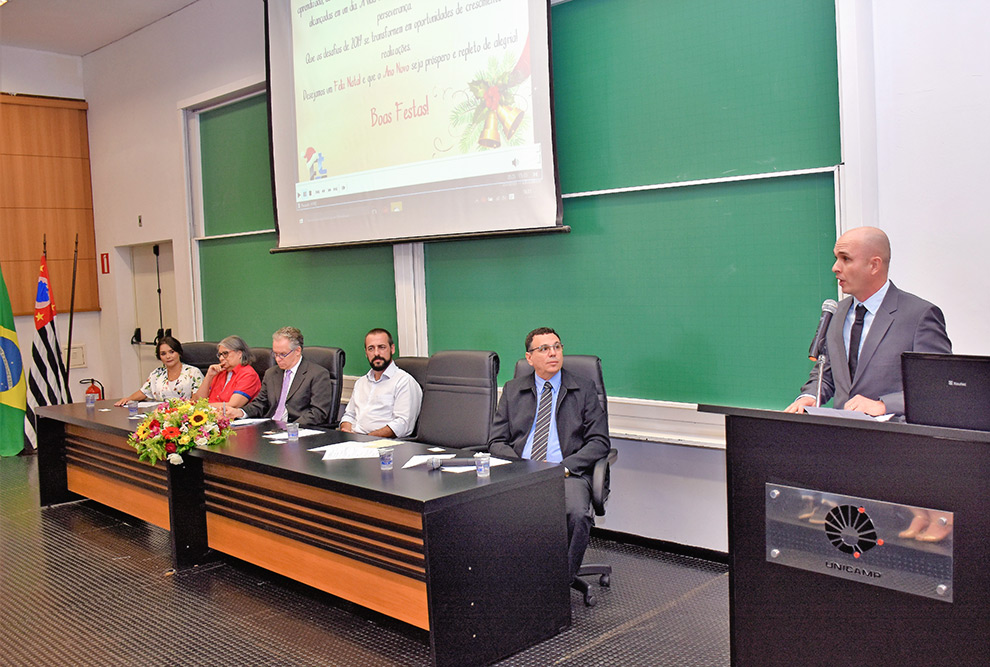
282	435
247	420
354	450
493	461
845	414
420	459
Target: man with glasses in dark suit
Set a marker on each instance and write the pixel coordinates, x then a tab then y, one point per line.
294	390
552	415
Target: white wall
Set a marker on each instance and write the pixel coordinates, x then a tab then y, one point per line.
137	148
28	72
933	141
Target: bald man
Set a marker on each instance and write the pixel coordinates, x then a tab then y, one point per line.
892	322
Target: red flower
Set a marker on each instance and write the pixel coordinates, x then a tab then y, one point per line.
170	447
171	432
492	98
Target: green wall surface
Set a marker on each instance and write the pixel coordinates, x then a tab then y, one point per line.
334	296
669	91
702	295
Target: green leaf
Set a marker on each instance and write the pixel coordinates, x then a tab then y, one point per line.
479	88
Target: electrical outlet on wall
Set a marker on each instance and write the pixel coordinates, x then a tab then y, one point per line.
78	357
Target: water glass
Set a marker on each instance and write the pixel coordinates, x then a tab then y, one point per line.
482	464
132	408
385	457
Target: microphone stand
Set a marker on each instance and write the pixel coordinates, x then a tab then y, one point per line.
820	365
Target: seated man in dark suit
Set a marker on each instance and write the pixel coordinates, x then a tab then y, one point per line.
294	390
870	329
552	415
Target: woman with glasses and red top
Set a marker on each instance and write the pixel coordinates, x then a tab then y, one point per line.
232	382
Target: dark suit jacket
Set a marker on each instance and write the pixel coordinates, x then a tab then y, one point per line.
903	323
582	425
309	396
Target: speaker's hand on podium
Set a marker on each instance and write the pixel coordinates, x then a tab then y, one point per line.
800	404
861	403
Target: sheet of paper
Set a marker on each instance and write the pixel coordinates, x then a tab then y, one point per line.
247	420
149	404
845	414
282	436
348	450
494	462
420	459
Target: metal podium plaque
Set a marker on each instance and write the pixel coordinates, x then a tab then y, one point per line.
901	547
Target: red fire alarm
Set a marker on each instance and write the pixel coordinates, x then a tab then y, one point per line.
105	262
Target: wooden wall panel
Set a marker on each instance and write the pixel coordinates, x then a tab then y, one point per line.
31	181
22	284
46	192
23	228
47	131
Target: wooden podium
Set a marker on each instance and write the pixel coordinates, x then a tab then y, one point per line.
811	593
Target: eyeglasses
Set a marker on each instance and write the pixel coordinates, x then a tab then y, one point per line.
544	349
223	355
282	355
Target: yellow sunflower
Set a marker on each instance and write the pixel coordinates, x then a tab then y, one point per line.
198	418
142	431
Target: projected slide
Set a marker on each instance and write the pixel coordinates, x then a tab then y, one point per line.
410	119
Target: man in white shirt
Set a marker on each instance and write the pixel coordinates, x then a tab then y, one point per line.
386	401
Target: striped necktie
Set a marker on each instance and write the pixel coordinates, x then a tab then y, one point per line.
541	432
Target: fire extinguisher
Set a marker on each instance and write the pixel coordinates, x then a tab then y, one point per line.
93	388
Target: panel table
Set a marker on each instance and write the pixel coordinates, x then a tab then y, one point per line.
480	564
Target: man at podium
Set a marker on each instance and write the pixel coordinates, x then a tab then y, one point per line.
870	329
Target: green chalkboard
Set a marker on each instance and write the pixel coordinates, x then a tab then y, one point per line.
334	296
237	178
706	294
675	90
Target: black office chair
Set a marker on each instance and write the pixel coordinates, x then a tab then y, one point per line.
459	399
262	361
589	366
200	354
415	366
332	359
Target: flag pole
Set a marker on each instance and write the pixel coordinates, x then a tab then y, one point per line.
72	317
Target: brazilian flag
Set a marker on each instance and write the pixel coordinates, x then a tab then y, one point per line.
12	384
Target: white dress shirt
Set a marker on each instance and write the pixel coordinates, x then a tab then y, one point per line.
393	401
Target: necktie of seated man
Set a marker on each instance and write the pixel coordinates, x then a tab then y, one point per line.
281	414
541	432
854	337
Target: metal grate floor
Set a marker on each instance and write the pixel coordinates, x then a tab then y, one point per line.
83	585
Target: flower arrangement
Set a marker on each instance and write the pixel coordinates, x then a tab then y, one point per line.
177	426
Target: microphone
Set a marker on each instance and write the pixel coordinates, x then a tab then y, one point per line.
435	462
829	307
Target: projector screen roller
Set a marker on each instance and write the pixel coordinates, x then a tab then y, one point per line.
410	119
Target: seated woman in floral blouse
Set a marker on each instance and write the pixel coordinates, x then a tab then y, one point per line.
172	380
